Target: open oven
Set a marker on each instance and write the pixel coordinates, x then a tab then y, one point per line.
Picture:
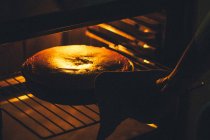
152	34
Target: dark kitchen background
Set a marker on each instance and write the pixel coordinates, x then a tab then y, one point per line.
29	26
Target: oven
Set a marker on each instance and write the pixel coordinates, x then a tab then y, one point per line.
152	34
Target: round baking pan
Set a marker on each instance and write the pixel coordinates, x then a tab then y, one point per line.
63	85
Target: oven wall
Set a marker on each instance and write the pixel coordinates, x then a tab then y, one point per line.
203	6
183	17
12	55
179	30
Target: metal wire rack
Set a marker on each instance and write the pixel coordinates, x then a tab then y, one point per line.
44	119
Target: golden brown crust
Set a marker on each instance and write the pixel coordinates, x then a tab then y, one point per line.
73	66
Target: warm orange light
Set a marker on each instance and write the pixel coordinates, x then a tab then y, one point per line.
12	81
66	66
144	45
3	102
134	23
3	84
23	97
120	48
152	125
119	32
91	35
30	95
146	61
130	53
148	20
116	31
145	29
129	21
110	44
20	79
13	100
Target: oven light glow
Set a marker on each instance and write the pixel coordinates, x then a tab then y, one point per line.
117	31
110	44
17	99
146	61
148	20
23	97
91	35
3	84
66	65
152	125
146	46
145	29
12	81
141	28
124	49
30	95
13	100
119	48
74	64
129	21
20	79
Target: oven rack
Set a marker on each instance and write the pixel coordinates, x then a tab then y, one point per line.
43	119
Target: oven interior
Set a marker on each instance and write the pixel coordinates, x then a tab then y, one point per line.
140	38
153	34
